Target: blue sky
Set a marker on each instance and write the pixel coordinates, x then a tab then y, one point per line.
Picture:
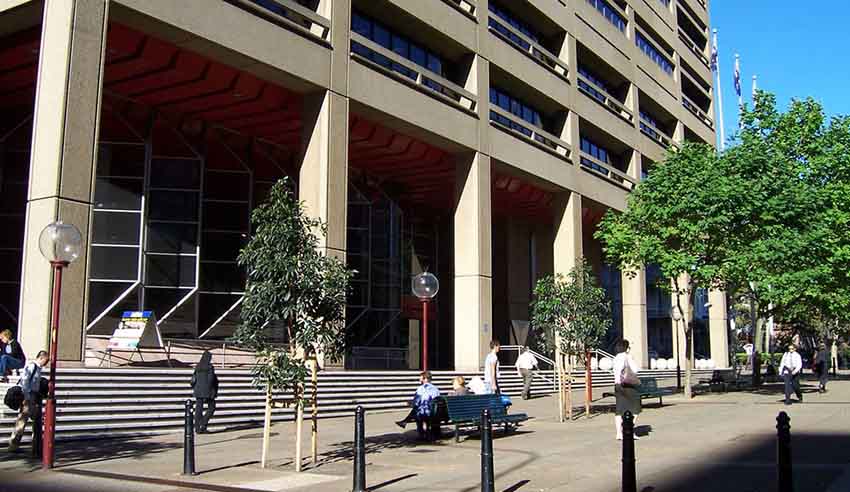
796	50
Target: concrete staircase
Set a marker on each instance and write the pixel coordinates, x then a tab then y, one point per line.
95	402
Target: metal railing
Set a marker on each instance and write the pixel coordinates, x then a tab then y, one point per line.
655	133
694	48
592	164
601	96
465	7
425	80
534	50
693	108
290	14
540	358
538	136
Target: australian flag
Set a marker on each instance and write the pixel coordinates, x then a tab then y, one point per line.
714	55
738	77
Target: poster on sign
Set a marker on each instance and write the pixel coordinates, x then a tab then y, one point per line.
136	329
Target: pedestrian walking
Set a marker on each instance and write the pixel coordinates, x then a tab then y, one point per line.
205	389
13	355
491	368
834	357
526	363
749	349
30	384
789	369
626	384
821	367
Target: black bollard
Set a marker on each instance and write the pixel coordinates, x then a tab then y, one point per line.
359	450
487	484
783	453
189	440
629	475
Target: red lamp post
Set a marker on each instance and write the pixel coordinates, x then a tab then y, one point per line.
425	286
60	244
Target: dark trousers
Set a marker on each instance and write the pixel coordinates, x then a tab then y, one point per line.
203	418
526	383
428	427
792	383
823	376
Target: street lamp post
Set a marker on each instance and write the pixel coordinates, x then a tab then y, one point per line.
60	244
425	287
676	315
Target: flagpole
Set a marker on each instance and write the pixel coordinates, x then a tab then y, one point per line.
718	89
755	89
738	89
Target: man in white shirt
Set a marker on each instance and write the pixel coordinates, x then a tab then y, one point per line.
491	368
789	369
525	364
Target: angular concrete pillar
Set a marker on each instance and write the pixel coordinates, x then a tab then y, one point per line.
634	316
568	248
718	326
62	166
473	309
323	177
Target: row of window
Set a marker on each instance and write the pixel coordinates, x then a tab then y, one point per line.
653	53
609	13
517	24
648	125
516	107
597	82
380	34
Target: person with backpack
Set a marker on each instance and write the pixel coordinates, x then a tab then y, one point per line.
30	385
13	356
205	389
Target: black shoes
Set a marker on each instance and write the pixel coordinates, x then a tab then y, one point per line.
401	423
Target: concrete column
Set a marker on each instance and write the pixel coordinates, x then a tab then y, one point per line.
568	248
339	12
473	262
634	316
718	326
323	178
64	152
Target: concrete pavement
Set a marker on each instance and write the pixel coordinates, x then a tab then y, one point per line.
713	442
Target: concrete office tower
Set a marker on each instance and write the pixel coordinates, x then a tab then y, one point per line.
480	140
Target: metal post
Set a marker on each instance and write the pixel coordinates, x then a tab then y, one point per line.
50	410
189	440
629	475
783	453
359	450
424	334
678	356
487	484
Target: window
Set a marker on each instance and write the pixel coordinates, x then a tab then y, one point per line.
514	106
600	153
609	13
653	53
508	18
594	92
404	47
649	125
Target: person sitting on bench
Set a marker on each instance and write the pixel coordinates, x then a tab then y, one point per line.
421	412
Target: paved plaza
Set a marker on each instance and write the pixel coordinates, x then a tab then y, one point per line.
716	442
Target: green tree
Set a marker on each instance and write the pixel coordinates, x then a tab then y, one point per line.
290	283
570	316
686	218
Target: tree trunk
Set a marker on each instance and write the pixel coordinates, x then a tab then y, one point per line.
588	384
267	429
299	423
570	382
689	347
559	374
314	430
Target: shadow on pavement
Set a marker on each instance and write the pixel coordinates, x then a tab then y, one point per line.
73	453
390	482
748	464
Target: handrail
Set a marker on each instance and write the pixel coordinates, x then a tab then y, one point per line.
693	47
465	99
466	7
692	107
538	135
320	26
536	354
535	51
609	101
654	133
615	175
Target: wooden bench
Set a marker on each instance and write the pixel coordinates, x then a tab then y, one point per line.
722	380
465	411
648	389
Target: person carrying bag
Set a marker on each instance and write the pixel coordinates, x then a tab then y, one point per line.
626	383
